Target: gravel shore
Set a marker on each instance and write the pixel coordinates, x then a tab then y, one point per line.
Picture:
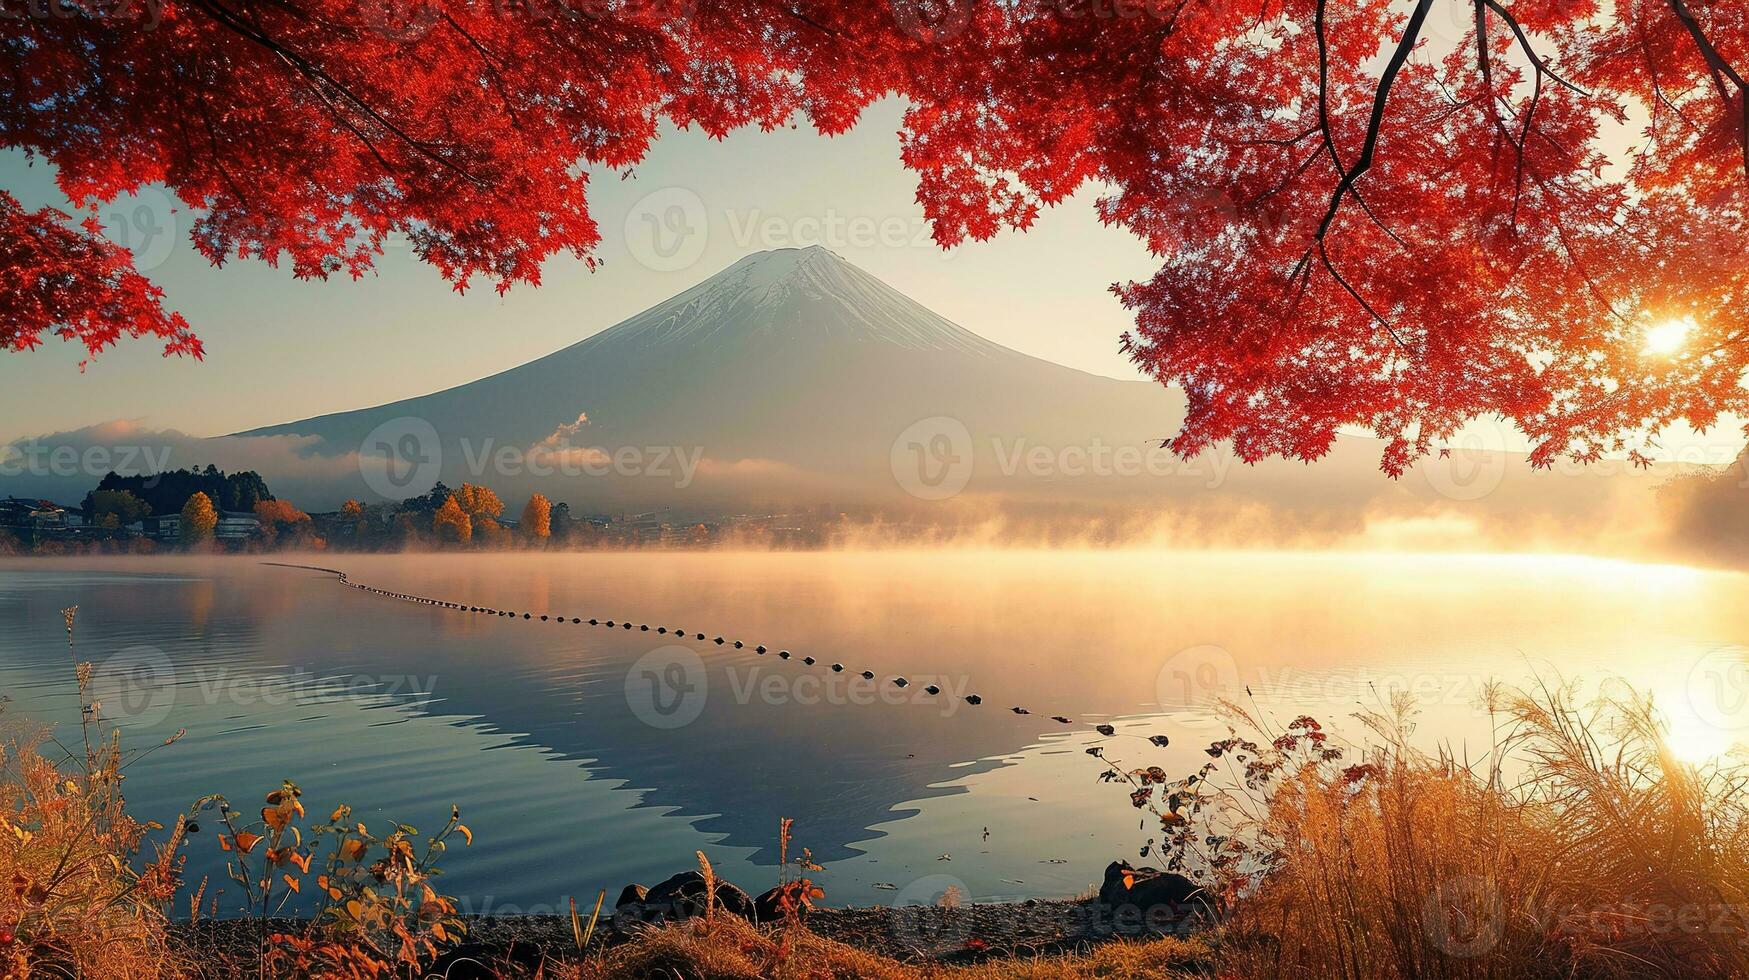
966	933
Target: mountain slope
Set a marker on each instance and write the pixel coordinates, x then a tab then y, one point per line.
790	361
794	378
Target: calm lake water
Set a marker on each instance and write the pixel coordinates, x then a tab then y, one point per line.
586	757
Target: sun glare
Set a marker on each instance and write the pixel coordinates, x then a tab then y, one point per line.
1668	336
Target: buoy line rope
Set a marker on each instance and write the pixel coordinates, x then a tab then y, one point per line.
898	681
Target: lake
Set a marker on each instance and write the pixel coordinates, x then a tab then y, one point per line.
585	757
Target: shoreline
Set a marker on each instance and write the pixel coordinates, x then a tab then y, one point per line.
976	932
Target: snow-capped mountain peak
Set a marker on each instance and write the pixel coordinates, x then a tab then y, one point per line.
802	295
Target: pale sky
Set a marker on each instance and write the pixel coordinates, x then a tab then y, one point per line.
280	350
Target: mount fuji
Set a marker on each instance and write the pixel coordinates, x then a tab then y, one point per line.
794	378
791	374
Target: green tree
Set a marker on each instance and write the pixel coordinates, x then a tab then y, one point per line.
198	519
115	508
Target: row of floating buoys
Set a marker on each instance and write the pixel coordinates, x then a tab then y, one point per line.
901	682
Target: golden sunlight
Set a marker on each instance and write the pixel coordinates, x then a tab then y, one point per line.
1707	706
1695	740
1666	337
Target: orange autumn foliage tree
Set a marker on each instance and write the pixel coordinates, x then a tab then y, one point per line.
278	517
198	519
451	523
352	513
479	502
537	517
1396	215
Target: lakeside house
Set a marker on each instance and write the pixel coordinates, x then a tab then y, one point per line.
161	527
38	520
232	525
236	525
34	522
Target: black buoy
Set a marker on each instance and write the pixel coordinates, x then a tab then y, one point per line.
527	616
595	622
932	689
701	636
576	622
1059	719
868	675
837	668
974	699
900	681
808	660
783	654
737	644
543	617
643	627
1019	710
760	648
610	624
718	641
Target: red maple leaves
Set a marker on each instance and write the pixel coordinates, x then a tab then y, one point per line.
1394	219
77	285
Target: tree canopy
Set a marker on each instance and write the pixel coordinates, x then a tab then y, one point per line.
1398	216
198	519
537	517
165	493
451	523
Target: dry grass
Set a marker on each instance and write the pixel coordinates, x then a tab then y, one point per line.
1580	847
78	898
75	903
728	948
